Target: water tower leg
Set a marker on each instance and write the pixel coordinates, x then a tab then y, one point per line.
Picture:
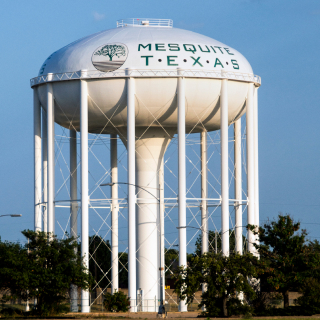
224	168
250	163
73	209
132	289
51	177
85	306
204	194
238	185
114	213
162	292
256	158
45	169
37	161
182	180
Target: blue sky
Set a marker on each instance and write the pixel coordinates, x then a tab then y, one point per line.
281	40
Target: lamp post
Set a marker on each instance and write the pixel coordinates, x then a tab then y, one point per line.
161	307
11	215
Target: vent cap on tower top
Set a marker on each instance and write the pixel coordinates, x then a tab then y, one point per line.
144	22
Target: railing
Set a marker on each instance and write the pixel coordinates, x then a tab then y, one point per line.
168	202
142	22
147	73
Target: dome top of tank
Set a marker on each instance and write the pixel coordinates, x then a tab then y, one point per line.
145	45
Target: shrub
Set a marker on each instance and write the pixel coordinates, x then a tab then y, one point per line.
117	302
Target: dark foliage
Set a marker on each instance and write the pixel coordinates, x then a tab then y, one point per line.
100	264
45	268
286	258
117	302
225	277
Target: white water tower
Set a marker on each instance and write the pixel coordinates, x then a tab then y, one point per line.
144	82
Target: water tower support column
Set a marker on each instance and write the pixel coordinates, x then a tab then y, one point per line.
250	163
45	169
204	194
238	185
114	213
37	161
132	290
85	306
51	177
182	180
224	167
256	158
73	209
161	236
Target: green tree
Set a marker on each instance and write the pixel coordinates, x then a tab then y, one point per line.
310	288
286	256
225	277
100	261
13	261
116	302
45	268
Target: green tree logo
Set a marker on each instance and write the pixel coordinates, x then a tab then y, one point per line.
111	50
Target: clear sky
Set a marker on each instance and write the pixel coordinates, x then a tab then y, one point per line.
281	40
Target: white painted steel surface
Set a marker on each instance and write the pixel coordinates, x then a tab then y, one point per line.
161	233
150	147
224	168
156	98
159	72
85	303
44	127
250	163
50	126
114	213
37	161
256	157
204	193
73	209
256	163
184	44
238	186
182	180
73	185
131	193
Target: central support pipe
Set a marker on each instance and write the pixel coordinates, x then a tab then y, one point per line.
150	148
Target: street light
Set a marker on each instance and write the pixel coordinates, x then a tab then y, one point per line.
11	215
161	307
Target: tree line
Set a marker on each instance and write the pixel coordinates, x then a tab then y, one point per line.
284	261
244	284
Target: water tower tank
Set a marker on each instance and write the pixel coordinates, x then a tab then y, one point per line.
156	56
